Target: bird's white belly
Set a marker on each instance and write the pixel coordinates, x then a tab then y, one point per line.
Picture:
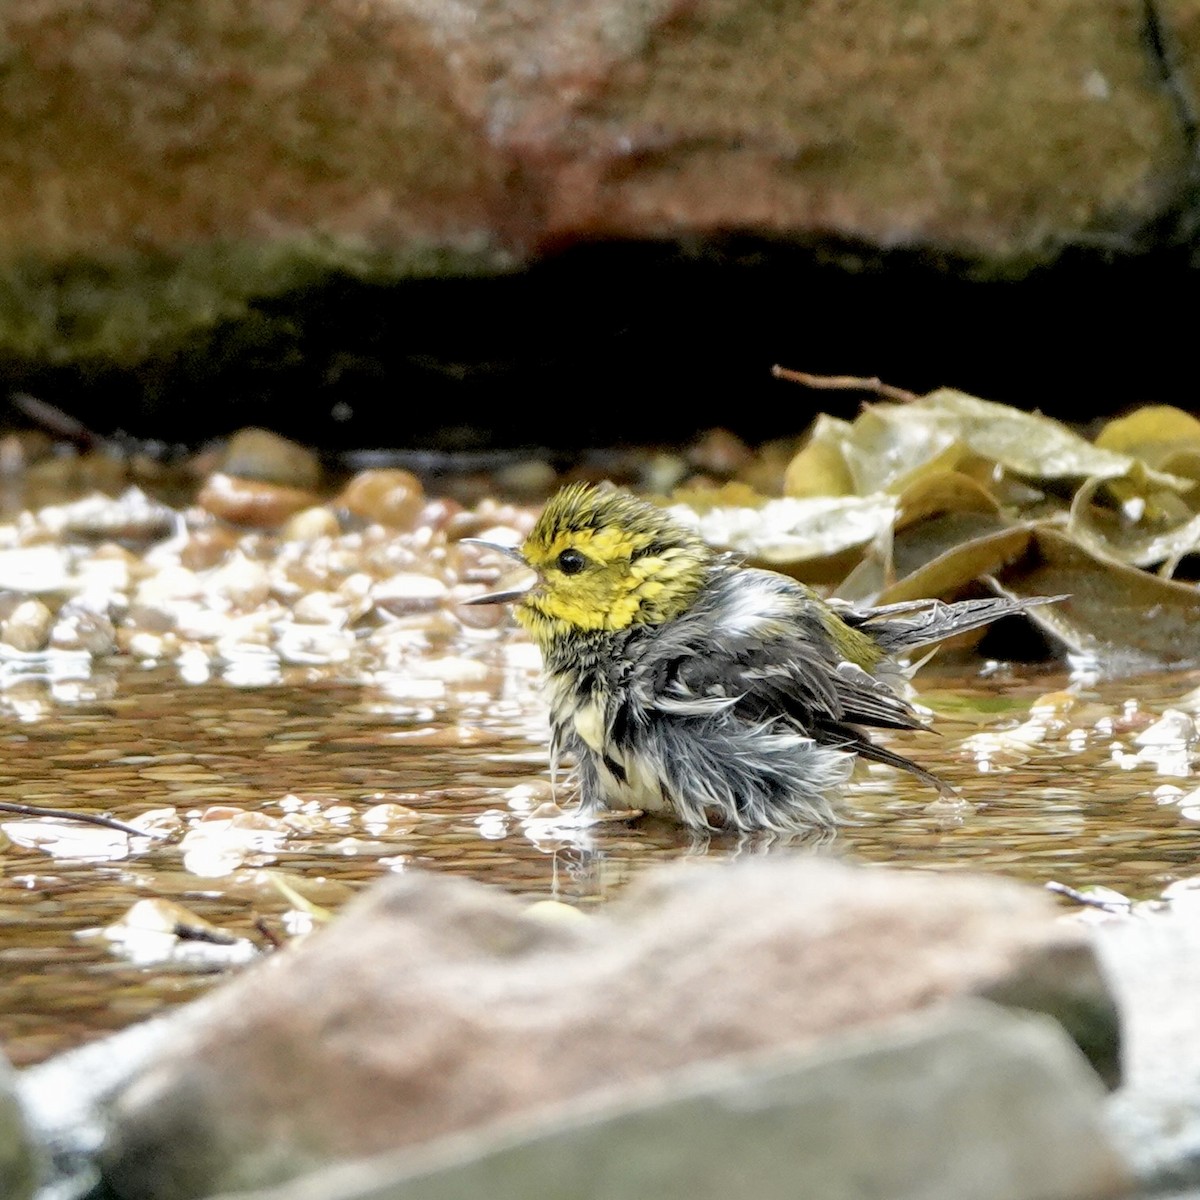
641	786
589	724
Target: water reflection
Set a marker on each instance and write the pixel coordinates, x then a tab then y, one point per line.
283	791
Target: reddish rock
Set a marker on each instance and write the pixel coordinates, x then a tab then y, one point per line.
434	1005
249	502
190	162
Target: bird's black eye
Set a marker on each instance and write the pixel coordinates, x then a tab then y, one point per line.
571	562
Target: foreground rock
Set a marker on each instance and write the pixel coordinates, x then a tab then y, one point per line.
1153	961
434	1006
869	1115
18	1159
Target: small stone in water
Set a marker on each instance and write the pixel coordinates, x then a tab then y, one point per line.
207	548
147	645
481	616
310	524
409	592
80	628
526	797
250	502
19	450
151	618
27	627
1171	728
243	583
533	477
321	608
264	456
132	516
389	818
390	496
719	452
546	811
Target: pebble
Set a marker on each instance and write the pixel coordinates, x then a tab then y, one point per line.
531	478
79	628
438	514
409	592
207	547
388	818
242	583
1173	727
525	798
252	502
133	516
27	628
388	495
310	524
258	454
19	450
719	452
481	616
453	669
35	569
146	645
152	618
320	608
314	645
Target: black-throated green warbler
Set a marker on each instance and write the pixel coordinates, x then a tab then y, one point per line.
686	685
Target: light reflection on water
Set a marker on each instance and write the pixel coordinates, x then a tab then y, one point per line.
277	798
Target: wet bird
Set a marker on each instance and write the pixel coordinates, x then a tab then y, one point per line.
724	696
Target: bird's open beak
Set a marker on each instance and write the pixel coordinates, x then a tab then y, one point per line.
508	594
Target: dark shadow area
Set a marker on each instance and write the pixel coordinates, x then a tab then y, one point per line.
611	344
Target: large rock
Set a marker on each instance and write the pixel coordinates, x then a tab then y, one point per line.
167	169
19	1159
1153	961
434	1005
869	1115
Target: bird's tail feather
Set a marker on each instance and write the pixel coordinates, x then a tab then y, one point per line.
915	623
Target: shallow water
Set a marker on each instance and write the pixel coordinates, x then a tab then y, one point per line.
280	794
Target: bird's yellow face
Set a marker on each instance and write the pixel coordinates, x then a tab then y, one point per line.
606	560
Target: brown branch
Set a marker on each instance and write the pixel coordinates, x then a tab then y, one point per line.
54	420
846	383
67	814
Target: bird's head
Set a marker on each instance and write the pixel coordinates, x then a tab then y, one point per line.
605	560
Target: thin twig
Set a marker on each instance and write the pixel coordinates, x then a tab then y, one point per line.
67	814
54	420
1090	901
846	383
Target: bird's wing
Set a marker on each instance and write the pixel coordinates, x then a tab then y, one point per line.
869	701
757	646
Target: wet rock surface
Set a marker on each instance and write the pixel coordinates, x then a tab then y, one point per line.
19	1157
870	1114
434	1006
1153	961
